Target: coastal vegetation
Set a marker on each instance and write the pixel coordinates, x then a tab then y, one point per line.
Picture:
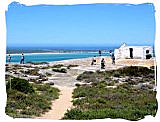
28	100
61	70
37	63
32	72
57	66
126	93
148	56
71	65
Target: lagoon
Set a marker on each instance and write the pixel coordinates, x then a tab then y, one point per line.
51	57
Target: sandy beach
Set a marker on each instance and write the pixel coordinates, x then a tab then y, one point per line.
66	81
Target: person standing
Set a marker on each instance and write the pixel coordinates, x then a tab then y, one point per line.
93	60
110	53
113	58
102	64
9	58
22	59
100	53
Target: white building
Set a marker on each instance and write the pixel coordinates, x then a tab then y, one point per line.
136	52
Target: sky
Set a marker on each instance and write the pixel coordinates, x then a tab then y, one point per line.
88	25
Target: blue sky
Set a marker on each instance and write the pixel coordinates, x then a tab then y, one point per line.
80	25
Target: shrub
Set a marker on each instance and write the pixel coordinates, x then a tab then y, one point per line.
134	71
116	74
71	65
77	84
32	72
37	63
51	83
74	114
148	56
57	66
34	104
95	101
20	85
62	70
48	74
111	83
85	75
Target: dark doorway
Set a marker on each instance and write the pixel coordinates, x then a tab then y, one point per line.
147	51
131	52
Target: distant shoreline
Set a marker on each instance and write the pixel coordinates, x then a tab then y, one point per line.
15	54
51	52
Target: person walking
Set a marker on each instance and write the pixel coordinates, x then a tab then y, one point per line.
9	58
113	58
22	59
102	64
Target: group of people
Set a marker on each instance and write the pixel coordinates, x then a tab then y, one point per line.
103	61
21	61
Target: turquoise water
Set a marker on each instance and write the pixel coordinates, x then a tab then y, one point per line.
31	57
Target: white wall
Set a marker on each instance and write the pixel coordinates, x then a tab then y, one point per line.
139	52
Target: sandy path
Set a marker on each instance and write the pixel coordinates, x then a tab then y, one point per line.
60	106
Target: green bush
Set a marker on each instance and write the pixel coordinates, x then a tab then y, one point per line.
71	65
20	104
48	74
77	84
62	70
32	72
116	74
95	101
20	85
57	66
135	71
37	63
148	56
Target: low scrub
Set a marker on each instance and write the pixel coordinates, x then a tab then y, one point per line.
97	101
37	63
32	72
132	71
20	85
30	104
71	65
135	71
57	66
61	70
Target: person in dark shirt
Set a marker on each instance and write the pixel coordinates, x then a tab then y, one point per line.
102	64
113	58
9	58
100	53
93	61
22	59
